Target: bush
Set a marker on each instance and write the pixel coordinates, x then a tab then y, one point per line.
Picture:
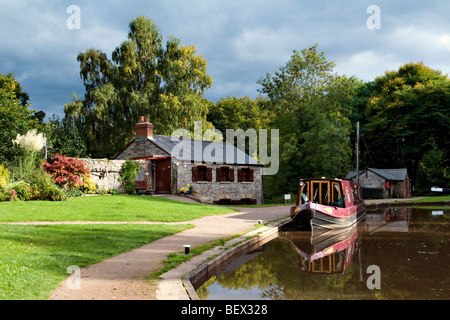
88	187
19	190
68	173
4	177
44	187
74	193
128	173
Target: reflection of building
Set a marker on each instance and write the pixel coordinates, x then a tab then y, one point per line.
383	183
218	171
389	220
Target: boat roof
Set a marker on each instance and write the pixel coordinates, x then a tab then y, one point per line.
322	178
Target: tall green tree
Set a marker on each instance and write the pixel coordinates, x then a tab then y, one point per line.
241	113
238	113
408	116
15	115
312	107
64	139
165	83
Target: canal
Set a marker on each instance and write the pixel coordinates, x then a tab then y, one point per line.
394	253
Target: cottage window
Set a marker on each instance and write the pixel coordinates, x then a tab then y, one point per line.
225	174
201	173
245	175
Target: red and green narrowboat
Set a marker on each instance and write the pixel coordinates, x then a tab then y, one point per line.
328	204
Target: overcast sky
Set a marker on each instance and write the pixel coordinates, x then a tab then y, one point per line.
241	40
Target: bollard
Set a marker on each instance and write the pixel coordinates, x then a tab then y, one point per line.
187	249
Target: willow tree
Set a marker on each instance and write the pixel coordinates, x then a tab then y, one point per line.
144	77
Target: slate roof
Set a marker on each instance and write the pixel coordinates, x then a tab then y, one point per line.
211	152
387	174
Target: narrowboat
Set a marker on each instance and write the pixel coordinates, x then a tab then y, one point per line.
328	204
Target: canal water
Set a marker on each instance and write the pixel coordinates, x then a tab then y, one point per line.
395	253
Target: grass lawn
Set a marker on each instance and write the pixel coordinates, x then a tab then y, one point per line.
433	199
34	259
124	208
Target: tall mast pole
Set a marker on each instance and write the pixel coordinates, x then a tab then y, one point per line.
357	151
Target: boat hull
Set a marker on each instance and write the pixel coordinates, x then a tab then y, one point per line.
315	216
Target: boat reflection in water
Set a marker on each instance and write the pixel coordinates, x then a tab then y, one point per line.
325	251
331	251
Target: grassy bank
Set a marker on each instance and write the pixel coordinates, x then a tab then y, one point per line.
34	259
124	208
433	199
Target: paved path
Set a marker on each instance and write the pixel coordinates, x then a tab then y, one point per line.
123	277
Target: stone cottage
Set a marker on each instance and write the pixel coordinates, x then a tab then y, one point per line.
218	171
383	183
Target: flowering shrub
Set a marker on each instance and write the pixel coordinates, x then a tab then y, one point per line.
19	190
68	173
189	189
13	196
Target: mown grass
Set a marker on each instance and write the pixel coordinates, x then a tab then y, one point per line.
124	208
433	199
34	259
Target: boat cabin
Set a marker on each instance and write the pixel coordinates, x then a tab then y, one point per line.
329	192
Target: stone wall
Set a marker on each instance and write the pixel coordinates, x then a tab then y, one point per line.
105	173
216	190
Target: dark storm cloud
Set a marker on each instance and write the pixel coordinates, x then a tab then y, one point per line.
241	40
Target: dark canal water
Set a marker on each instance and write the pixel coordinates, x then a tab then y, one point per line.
401	253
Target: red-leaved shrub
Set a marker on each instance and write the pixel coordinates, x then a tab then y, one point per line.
67	172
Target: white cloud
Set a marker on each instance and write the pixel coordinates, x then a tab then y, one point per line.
265	44
367	65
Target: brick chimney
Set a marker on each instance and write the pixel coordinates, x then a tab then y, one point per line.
144	129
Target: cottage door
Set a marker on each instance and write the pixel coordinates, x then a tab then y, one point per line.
163	176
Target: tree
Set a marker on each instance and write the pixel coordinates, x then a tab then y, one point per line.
408	116
312	109
166	84
63	138
15	115
239	113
